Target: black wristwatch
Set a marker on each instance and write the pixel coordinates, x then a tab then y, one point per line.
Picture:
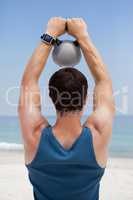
49	40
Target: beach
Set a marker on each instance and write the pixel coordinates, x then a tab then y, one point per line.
116	184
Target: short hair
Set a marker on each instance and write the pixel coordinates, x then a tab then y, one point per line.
68	90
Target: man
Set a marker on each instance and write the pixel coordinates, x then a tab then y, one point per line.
66	161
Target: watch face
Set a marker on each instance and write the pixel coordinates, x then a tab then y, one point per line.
48	38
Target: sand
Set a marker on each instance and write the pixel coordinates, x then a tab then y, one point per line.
117	183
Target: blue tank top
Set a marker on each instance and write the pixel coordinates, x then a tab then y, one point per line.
59	174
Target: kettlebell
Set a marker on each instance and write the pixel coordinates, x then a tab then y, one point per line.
66	53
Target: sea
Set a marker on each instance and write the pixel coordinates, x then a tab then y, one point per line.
121	144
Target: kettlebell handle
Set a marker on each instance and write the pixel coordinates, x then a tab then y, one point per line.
58	42
76	43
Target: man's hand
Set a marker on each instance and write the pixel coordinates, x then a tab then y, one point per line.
77	28
56	26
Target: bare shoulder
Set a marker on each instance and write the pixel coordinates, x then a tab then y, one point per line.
101	120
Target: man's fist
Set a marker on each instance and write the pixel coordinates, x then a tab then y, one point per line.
77	27
56	26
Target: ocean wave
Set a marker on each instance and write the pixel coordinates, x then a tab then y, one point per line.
10	146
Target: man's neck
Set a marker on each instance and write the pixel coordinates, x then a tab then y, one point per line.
69	123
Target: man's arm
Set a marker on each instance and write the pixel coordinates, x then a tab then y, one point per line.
30	100
103	103
101	119
29	108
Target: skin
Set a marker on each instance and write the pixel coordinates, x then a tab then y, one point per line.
67	128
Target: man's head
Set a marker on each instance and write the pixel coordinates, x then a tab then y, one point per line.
68	90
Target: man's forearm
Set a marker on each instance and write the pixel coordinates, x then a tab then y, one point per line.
93	59
36	63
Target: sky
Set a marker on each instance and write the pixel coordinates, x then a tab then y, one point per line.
110	25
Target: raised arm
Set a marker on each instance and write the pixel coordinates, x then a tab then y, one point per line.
101	119
29	108
103	103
